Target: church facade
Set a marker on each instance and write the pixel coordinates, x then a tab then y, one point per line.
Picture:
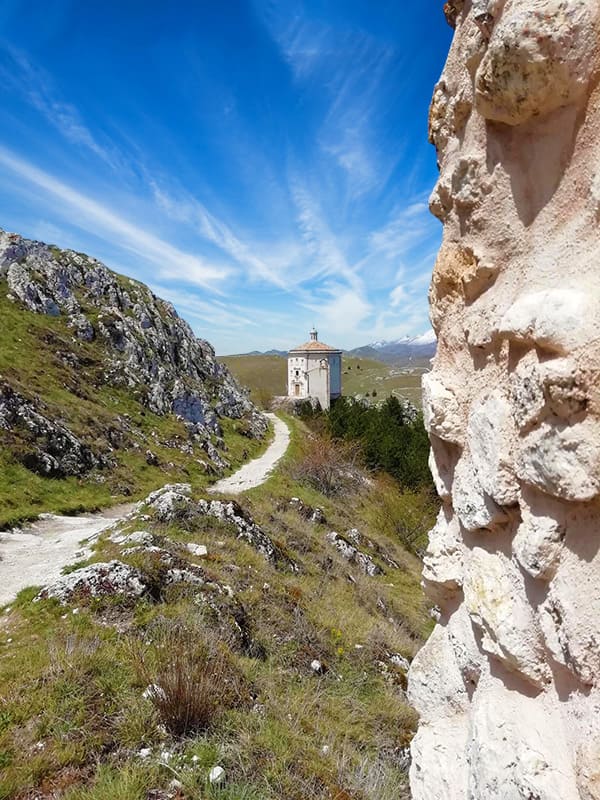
315	371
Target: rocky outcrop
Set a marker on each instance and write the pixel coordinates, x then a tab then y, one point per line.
174	503
508	685
110	579
352	554
148	348
48	447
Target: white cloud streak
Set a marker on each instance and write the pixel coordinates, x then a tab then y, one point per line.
327	255
36	87
351	69
344	311
217	232
212	313
90	215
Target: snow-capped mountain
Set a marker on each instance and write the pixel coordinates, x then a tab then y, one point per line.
423	340
408	347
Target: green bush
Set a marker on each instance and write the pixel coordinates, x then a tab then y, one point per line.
392	436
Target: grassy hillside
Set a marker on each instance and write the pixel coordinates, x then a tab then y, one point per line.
364	376
40	358
267	376
74	721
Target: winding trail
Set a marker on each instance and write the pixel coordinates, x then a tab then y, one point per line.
258	470
36	555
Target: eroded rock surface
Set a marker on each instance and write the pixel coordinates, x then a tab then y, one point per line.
173	503
50	448
508	685
142	343
108	579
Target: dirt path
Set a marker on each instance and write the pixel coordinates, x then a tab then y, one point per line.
257	471
35	555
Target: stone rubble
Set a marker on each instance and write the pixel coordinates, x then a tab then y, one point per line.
316	515
353	554
508	685
174	503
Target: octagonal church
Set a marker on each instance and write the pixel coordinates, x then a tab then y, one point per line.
315	371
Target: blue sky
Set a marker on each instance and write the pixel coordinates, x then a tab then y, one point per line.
264	165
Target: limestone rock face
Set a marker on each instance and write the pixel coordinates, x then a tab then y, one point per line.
508	685
150	345
146	348
55	451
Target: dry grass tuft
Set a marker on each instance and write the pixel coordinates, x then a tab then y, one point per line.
190	675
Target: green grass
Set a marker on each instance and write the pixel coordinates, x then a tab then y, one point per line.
267	377
32	361
72	716
363	376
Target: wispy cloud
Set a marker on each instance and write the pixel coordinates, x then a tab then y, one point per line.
94	217
408	227
304	43
397	295
211	313
352	70
327	256
343	310
36	87
352	131
217	232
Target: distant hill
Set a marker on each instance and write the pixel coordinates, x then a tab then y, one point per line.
408	351
401	350
266	376
280	353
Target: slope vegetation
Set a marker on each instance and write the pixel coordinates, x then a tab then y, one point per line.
104	391
264	644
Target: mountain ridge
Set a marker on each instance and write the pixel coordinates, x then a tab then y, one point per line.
389	352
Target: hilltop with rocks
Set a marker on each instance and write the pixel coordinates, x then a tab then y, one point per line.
95	369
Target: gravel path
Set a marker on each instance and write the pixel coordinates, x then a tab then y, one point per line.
257	471
35	555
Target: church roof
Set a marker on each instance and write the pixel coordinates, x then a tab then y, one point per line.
314	346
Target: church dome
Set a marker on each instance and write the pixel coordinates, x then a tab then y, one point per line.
314	345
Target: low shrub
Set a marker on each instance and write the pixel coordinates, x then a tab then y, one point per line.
329	466
191	677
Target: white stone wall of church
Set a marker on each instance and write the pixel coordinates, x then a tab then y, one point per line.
318	379
297	367
335	375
